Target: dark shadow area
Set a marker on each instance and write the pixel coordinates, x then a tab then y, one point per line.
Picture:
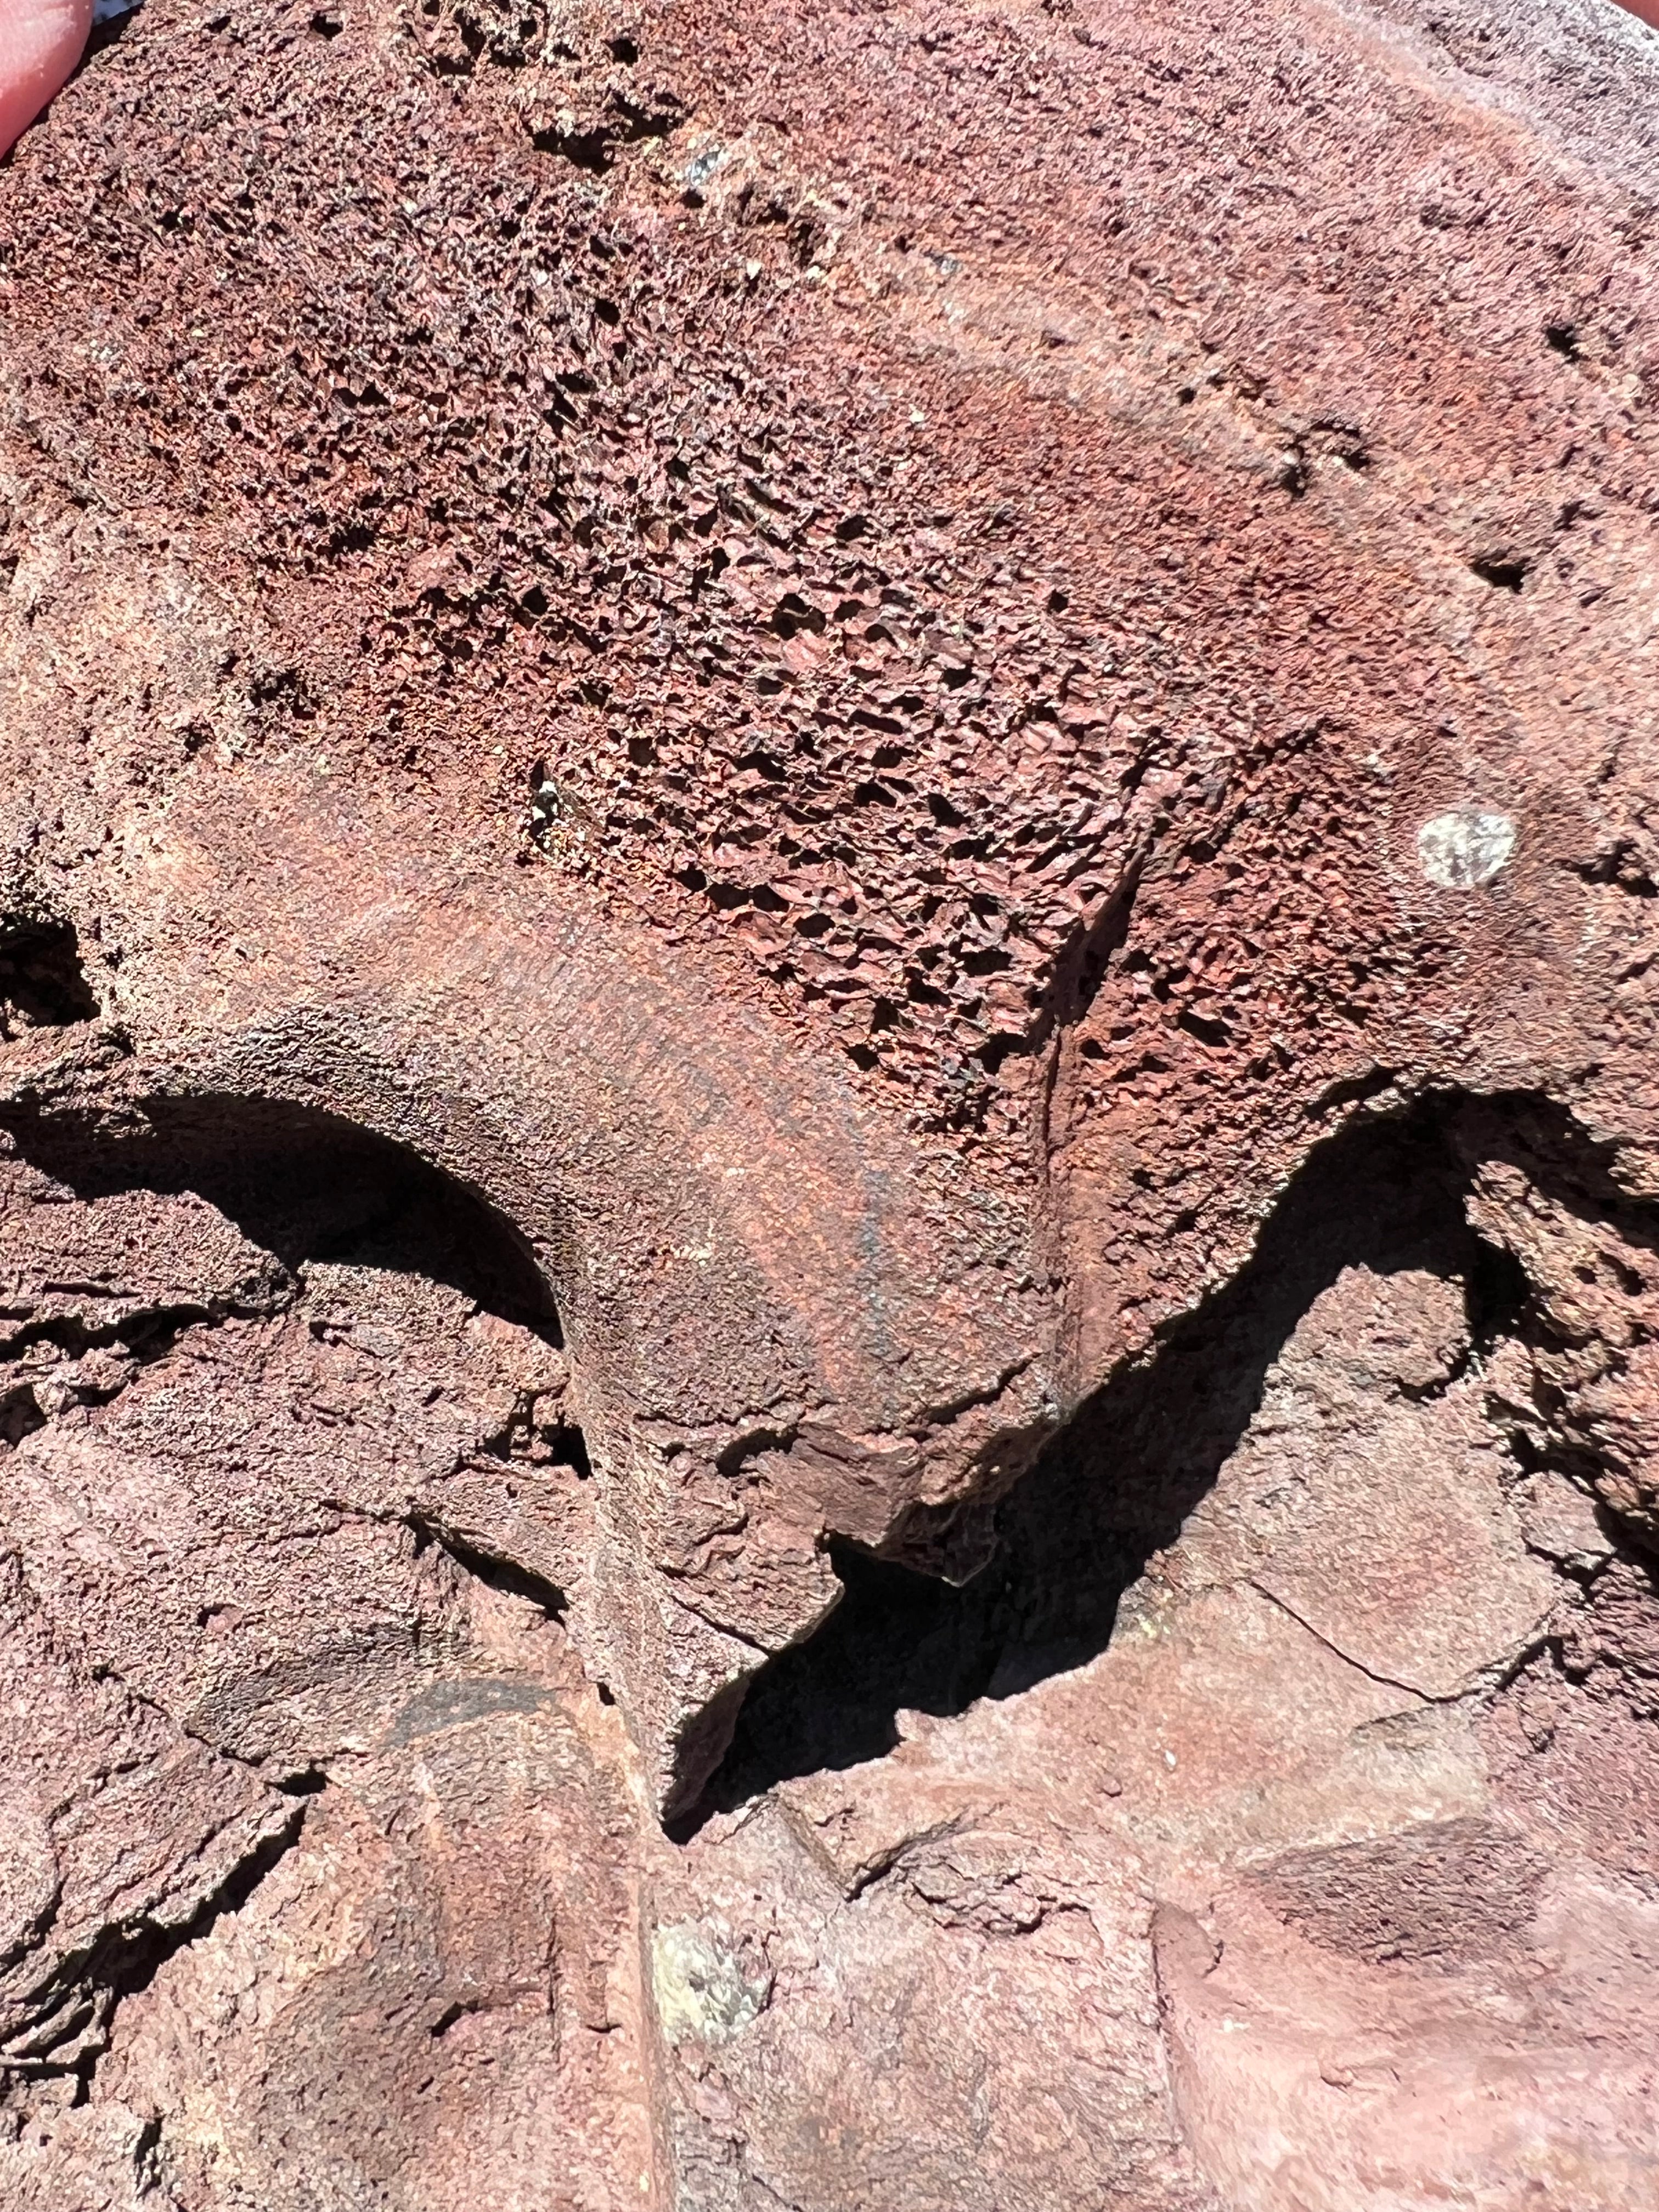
20	1414
1116	1484
305	1185
42	982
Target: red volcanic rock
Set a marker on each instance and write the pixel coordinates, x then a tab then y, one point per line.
827	1156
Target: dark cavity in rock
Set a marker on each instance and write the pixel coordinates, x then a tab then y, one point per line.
303	1184
1116	1484
42	982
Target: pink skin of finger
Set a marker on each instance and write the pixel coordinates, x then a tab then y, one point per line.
40	43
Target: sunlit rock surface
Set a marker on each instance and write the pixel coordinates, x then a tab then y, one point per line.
828	1161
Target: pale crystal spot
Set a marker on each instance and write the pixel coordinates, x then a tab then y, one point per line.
1464	847
701	1989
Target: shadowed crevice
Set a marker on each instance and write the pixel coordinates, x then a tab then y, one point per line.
75	2010
493	1569
304	1184
1115	1486
43	984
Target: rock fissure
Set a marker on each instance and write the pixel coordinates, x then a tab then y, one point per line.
1114	1489
75	2013
1387	1681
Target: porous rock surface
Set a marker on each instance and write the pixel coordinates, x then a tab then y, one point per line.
829	1160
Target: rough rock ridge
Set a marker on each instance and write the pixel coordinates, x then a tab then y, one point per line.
828	1175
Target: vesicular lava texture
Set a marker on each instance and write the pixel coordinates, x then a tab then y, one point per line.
828	1161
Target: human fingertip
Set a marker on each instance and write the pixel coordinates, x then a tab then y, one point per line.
41	43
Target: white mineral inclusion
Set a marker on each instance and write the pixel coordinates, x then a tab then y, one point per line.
1465	847
702	1990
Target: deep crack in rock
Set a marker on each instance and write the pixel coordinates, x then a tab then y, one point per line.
1116	1486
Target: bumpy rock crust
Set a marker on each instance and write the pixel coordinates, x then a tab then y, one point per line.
827	912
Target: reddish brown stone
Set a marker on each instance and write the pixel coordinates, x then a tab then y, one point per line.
826	933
